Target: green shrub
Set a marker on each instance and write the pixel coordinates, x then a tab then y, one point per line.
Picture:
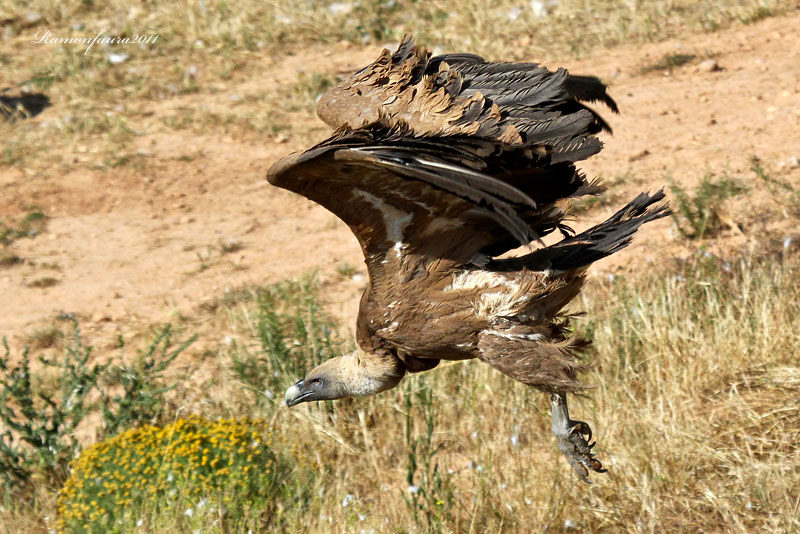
40	422
193	471
42	407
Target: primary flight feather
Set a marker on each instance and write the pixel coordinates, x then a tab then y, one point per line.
440	165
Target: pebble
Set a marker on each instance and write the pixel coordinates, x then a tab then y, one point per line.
789	163
709	65
116	59
30	19
101	317
340	8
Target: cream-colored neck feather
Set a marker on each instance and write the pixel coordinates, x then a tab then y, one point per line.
360	374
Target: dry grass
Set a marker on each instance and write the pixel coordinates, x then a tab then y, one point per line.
695	413
205	46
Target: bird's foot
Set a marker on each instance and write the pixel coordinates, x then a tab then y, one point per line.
571	441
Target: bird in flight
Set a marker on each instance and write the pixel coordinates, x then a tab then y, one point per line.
442	166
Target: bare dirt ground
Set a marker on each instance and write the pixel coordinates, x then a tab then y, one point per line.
132	248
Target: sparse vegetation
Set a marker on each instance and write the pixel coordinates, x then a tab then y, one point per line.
230	246
291	334
44	407
8	258
703	214
226	42
787	194
31	225
689	363
755	14
345	269
668	62
44	282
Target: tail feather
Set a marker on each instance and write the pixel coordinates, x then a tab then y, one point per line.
589	89
595	243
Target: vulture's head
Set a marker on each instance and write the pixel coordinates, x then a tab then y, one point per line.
357	374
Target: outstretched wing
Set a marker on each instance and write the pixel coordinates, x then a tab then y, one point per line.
448	159
400	194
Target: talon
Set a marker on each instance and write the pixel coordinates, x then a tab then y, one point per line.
571	441
583	428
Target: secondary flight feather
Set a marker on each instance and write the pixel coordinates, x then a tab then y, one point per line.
440	165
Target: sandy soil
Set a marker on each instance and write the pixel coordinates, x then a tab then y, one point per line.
135	248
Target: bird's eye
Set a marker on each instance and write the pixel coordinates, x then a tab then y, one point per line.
316	382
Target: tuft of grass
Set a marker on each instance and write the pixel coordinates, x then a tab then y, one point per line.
44	282
345	270
430	496
46	337
31	225
668	62
755	14
702	215
8	258
230	246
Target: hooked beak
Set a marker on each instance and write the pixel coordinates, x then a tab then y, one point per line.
296	394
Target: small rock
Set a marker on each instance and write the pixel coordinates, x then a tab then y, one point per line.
542	8
30	19
790	163
514	13
340	8
116	59
709	65
101	317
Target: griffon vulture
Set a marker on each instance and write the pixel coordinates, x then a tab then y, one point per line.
441	165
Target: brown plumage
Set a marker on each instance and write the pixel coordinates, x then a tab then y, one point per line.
439	165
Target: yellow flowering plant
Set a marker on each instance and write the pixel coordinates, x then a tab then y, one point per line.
224	469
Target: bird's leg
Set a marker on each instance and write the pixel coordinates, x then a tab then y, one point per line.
570	435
